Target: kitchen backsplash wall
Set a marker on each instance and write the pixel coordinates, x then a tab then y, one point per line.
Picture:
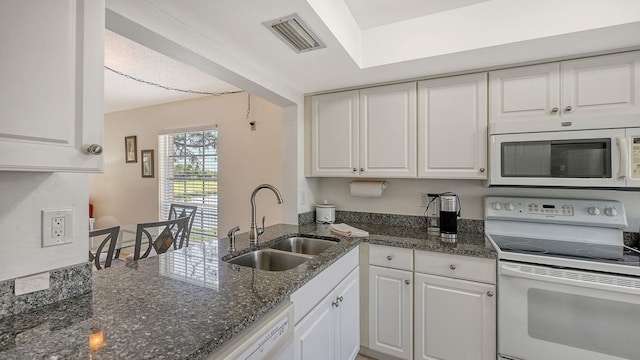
403	197
354	217
64	283
23	195
472	226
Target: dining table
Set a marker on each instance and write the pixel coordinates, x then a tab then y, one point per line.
126	239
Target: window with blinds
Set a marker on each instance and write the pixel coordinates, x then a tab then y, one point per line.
188	175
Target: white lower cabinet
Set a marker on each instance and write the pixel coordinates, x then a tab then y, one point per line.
331	328
455	307
347	317
314	336
455	319
390	311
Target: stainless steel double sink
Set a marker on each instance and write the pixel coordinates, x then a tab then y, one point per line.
286	253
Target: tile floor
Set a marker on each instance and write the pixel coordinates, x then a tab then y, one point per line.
362	357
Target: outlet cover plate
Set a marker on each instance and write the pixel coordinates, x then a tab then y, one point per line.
57	227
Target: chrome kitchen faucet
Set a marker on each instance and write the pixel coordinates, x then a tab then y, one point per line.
254	232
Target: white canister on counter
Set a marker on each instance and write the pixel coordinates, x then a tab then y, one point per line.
326	213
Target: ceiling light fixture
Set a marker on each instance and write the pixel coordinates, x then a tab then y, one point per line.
295	33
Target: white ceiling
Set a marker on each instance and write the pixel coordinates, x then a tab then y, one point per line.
128	57
367	41
372	13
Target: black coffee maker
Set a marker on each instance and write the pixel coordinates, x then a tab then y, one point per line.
449	213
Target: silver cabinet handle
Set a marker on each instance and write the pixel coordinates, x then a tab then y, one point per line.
407	282
482	170
340	298
554	110
94	149
361	169
452	267
568	108
490	293
335	303
354	169
389	257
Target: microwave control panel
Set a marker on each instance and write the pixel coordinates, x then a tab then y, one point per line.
635	157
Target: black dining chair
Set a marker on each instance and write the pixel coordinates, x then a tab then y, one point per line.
180	210
170	234
100	258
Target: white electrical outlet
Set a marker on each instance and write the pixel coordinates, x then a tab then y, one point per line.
31	283
56	227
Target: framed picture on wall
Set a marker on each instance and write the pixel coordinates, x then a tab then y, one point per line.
130	149
147	163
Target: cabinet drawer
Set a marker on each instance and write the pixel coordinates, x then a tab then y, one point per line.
392	257
456	266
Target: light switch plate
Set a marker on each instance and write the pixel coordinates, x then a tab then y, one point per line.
31	283
57	227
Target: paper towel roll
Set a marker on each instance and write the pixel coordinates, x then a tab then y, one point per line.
368	188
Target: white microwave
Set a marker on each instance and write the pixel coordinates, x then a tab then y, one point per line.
603	158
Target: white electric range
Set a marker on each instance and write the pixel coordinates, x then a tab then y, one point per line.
568	288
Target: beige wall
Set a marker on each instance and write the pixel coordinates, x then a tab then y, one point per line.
246	159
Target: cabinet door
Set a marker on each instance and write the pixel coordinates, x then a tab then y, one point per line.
51	107
601	85
348	317
334	134
448	310
314	336
525	93
388	131
390	312
452	127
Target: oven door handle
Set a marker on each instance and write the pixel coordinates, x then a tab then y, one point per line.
579	279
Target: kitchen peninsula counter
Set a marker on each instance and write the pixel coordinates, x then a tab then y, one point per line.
186	303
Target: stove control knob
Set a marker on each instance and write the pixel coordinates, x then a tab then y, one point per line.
610	211
593	211
496	206
509	206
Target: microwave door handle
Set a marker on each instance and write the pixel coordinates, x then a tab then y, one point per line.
624	159
584	283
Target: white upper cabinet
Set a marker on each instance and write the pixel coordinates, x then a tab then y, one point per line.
51	107
365	133
452	127
388	131
595	92
524	93
601	85
334	134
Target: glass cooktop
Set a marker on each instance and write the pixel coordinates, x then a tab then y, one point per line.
618	254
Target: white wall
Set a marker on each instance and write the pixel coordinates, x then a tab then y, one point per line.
403	196
246	159
22	197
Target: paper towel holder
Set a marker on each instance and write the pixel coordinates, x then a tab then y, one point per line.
368	188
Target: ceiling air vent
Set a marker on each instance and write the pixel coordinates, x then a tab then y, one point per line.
294	33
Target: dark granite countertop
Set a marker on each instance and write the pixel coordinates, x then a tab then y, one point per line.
186	303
